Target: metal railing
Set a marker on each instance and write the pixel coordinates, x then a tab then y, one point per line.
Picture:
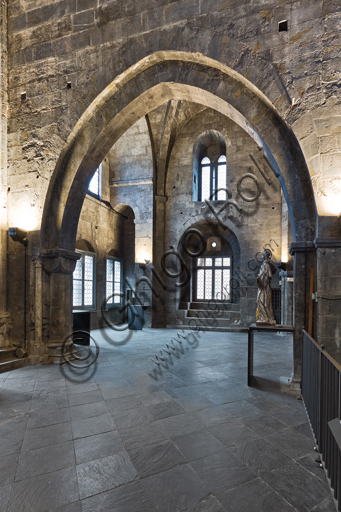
321	396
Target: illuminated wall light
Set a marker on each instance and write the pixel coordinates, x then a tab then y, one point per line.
330	204
25	217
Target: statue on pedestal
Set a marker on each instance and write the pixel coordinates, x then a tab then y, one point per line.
265	314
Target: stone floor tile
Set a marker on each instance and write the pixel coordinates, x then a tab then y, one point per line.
85	398
8	468
209	504
198	445
45	418
180	425
45	460
165	409
222	471
156	458
5	492
44	492
131	417
126	498
255	495
174	490
143	435
299	487
292	443
92	426
263	424
103	474
97	446
212	415
260	456
46	436
80	412
233	433
123	403
70	507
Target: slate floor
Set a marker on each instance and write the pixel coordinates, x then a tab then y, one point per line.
197	439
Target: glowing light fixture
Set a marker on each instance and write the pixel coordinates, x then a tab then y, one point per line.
25	216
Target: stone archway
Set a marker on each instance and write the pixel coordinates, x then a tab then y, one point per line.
148	84
145	86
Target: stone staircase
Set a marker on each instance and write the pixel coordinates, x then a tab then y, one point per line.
9	359
225	318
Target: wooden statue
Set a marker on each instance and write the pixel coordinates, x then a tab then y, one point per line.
265	314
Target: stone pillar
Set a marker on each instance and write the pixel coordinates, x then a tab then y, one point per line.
158	306
59	264
4	315
328	291
304	260
287	293
38	351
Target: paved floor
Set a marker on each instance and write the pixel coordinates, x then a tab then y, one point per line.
197	439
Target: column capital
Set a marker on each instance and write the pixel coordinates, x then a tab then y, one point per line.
59	261
331	243
301	247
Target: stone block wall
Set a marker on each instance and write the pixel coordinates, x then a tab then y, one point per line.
258	225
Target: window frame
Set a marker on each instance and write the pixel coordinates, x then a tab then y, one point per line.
214	167
117	304
92	194
94	266
213	267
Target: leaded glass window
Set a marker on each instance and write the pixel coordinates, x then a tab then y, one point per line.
83	282
212	178
213	278
113	281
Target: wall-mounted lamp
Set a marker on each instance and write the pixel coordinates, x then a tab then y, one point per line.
18	235
143	265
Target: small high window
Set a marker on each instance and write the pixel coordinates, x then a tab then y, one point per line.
213	179
113	281
94	187
83	282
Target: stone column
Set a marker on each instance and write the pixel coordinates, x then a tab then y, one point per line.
59	264
287	280
304	260
328	291
38	351
4	315
158	306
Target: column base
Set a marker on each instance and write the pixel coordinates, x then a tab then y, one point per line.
60	353
38	354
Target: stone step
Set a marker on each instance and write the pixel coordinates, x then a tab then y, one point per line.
12	364
7	353
202	314
208	329
223	306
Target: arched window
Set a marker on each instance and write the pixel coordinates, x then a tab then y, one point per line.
212	179
94	187
84	281
113	281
